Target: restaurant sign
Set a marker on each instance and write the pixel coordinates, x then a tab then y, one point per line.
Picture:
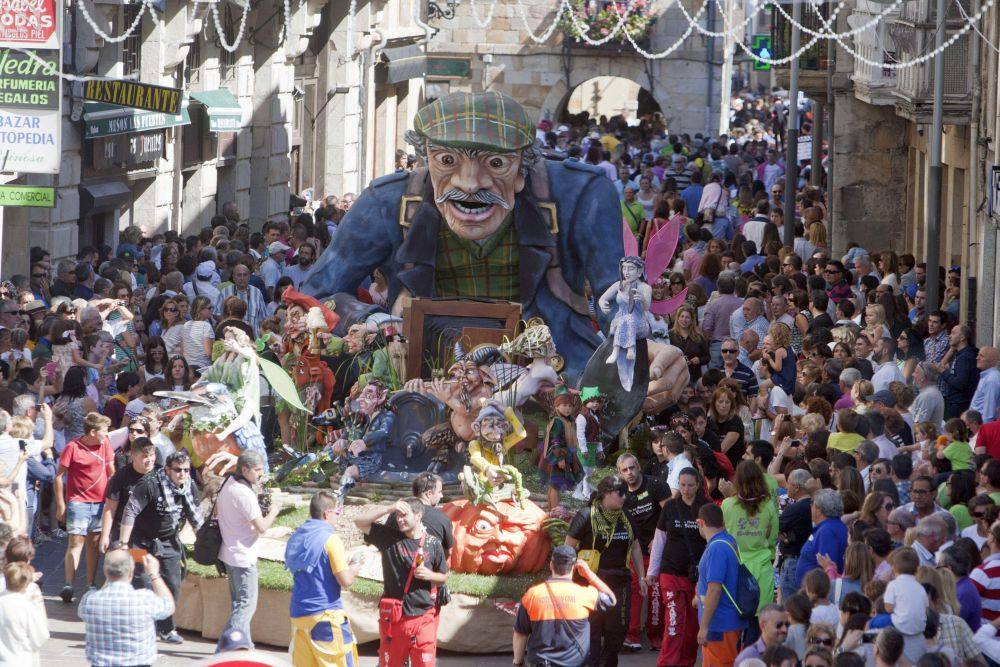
28	82
133	94
27	195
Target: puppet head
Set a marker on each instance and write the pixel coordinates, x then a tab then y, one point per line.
304	312
477	147
358	337
491	425
372	397
497	539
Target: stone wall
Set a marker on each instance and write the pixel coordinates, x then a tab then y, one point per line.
869	176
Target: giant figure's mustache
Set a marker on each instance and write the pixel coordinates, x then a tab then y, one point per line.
480	196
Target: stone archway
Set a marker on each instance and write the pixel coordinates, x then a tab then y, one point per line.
606	96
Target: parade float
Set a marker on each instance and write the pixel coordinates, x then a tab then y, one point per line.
489	252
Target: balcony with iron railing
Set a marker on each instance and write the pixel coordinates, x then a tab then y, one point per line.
915	85
814	64
873	83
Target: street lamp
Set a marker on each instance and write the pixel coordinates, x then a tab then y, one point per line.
435	11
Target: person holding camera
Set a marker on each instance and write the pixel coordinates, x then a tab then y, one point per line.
119	619
413	566
154	514
552	626
675	570
242	522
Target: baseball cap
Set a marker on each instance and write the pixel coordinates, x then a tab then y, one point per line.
563	555
885	397
277	246
128	251
235	640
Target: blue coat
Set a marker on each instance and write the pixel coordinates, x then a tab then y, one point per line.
588	244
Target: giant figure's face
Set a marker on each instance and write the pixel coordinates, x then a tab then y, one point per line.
474	190
371	398
500	539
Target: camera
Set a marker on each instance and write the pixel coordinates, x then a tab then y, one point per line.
264	500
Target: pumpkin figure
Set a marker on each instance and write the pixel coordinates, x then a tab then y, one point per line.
497	539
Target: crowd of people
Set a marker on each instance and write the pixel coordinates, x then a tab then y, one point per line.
838	442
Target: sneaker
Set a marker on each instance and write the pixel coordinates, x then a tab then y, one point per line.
171	637
66	594
58	532
632	646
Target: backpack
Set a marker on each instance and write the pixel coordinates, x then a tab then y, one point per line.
747	589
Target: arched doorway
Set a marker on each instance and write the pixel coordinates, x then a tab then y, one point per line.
608	96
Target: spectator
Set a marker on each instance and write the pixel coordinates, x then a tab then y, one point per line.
774	625
87	463
120	619
829	537
142	458
752	520
315	556
906	600
197	335
255	306
428	489
413	566
971	605
551	632
241	523
24	629
986	399
929	404
794	530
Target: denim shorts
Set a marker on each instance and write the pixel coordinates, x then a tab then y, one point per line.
83	518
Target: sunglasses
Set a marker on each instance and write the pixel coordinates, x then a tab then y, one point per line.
728	351
823	641
979	515
137	431
170	310
888	507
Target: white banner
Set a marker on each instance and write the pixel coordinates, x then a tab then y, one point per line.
30	141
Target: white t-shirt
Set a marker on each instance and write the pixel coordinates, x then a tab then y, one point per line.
10	453
237	507
886	447
972	532
909	600
678	463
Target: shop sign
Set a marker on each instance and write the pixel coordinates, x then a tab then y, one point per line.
29	23
133	94
128	150
132	121
29	141
27	195
28	82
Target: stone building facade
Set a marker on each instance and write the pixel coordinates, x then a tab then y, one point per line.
318	106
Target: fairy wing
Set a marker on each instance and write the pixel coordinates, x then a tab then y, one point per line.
668	306
660	250
629	241
281	383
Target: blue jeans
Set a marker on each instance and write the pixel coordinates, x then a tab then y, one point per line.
715	354
721	229
243	593
786	578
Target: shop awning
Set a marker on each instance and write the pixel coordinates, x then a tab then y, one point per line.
410	62
103	197
223	109
105	120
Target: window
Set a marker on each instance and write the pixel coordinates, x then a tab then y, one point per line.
228	60
132	46
192	63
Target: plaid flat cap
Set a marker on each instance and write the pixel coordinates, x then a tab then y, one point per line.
488	121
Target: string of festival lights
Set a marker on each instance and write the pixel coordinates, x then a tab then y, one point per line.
732	31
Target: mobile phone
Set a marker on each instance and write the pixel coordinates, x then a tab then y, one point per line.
137	554
868	637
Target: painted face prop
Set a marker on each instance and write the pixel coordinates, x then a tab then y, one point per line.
497	539
474	190
371	398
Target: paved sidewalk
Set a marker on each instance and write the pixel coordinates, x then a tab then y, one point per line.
67	645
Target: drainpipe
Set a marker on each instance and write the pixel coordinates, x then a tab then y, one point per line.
709	62
366	56
971	236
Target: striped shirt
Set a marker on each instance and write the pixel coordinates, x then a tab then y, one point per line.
986	577
251	296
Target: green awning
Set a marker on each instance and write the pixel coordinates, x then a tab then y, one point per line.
224	112
105	120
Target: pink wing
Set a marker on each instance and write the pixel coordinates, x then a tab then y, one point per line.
629	240
660	250
668	306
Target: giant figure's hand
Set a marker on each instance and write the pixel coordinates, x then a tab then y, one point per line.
668	375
